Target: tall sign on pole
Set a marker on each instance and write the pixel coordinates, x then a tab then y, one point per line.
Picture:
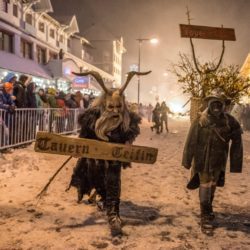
205	32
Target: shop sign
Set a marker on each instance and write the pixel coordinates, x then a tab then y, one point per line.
81	82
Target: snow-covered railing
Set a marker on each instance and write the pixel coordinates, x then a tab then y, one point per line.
19	127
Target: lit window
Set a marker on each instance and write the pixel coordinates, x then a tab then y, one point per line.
41	27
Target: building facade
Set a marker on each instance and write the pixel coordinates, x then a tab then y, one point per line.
34	41
107	51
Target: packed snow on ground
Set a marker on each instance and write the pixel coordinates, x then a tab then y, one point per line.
157	210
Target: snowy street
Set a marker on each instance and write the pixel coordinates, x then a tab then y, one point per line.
157	210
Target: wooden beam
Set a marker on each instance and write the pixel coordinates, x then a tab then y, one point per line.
93	149
205	32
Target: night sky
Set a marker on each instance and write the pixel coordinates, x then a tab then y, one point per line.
134	19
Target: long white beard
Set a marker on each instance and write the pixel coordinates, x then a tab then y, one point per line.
107	122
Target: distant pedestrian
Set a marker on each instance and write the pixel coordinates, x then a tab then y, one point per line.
156	118
149	112
164	116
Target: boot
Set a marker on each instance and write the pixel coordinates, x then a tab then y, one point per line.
114	220
205	207
206	225
211	212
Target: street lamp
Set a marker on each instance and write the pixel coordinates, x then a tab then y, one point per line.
140	40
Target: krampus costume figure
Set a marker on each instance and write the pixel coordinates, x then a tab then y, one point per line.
206	150
109	120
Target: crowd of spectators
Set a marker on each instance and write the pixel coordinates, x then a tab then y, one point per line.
22	94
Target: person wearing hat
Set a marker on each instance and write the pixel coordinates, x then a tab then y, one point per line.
10	77
206	151
7	104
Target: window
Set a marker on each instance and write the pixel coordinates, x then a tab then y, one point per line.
4	6
26	49
6	41
52	33
41	27
15	10
41	55
28	18
68	43
61	39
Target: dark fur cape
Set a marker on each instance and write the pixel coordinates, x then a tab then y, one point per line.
90	173
207	147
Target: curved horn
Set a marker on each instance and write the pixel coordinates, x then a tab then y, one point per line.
130	76
97	76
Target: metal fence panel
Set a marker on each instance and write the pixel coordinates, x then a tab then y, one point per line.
20	127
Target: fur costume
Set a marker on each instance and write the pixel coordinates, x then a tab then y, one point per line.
90	173
107	120
207	145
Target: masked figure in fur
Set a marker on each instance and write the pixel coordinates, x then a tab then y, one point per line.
206	151
108	120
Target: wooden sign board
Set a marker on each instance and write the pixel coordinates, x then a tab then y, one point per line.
93	149
205	32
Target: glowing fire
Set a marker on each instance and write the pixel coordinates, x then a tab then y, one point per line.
176	107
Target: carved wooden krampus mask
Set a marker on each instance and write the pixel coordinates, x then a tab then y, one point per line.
114	111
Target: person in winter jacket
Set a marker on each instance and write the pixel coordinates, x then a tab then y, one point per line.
206	151
60	114
41	99
20	91
164	116
6	119
31	95
156	118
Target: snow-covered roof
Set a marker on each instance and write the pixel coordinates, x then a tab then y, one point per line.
69	22
43	6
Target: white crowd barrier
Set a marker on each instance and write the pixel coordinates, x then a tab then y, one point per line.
19	127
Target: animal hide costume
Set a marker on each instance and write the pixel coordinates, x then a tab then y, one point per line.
206	151
108	120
